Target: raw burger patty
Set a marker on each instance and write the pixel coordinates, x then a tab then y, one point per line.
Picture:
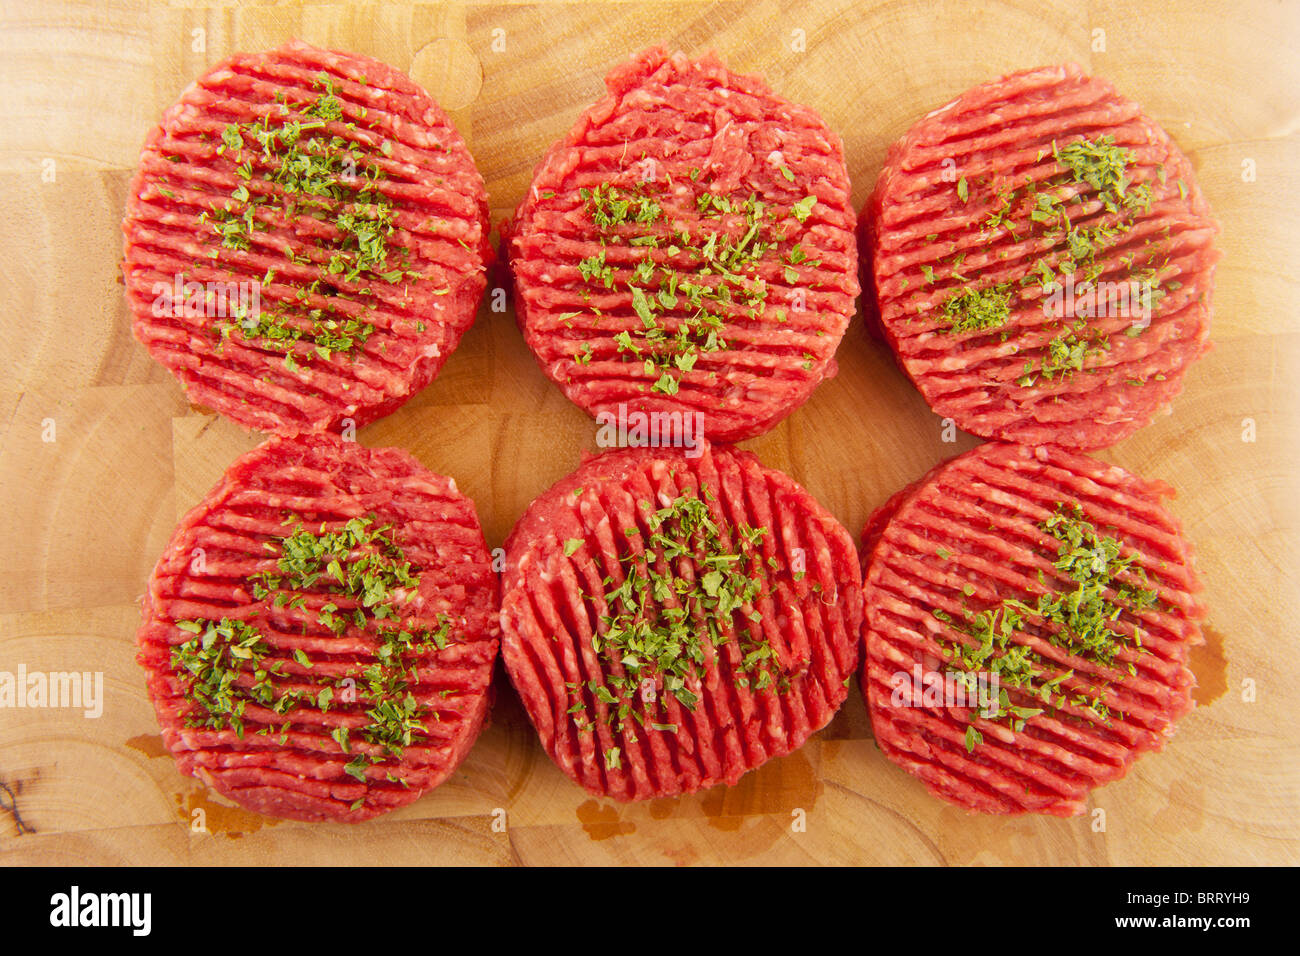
1042	260
1036	566
305	239
688	247
672	623
320	632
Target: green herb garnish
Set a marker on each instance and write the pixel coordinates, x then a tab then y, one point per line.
291	167
1079	619
227	662
657	624
973	310
685	284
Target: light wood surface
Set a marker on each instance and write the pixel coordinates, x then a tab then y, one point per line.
87	514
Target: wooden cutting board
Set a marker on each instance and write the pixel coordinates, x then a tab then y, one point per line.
100	453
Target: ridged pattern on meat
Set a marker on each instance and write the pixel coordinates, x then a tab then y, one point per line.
323	480
736	134
1003	134
984	508
812	623
440	210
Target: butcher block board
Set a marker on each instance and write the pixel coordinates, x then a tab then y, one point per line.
100	453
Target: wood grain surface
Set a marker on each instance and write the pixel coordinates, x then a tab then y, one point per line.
100	452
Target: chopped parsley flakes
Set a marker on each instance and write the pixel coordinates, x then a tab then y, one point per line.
1079	617
289	167
656	623
685	283
368	584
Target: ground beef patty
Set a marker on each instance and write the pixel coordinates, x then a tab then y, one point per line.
688	247
320	632
671	622
1048	588
1042	260
305	239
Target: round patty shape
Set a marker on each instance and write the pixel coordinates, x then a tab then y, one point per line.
305	239
1043	260
688	247
319	634
1029	614
671	623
